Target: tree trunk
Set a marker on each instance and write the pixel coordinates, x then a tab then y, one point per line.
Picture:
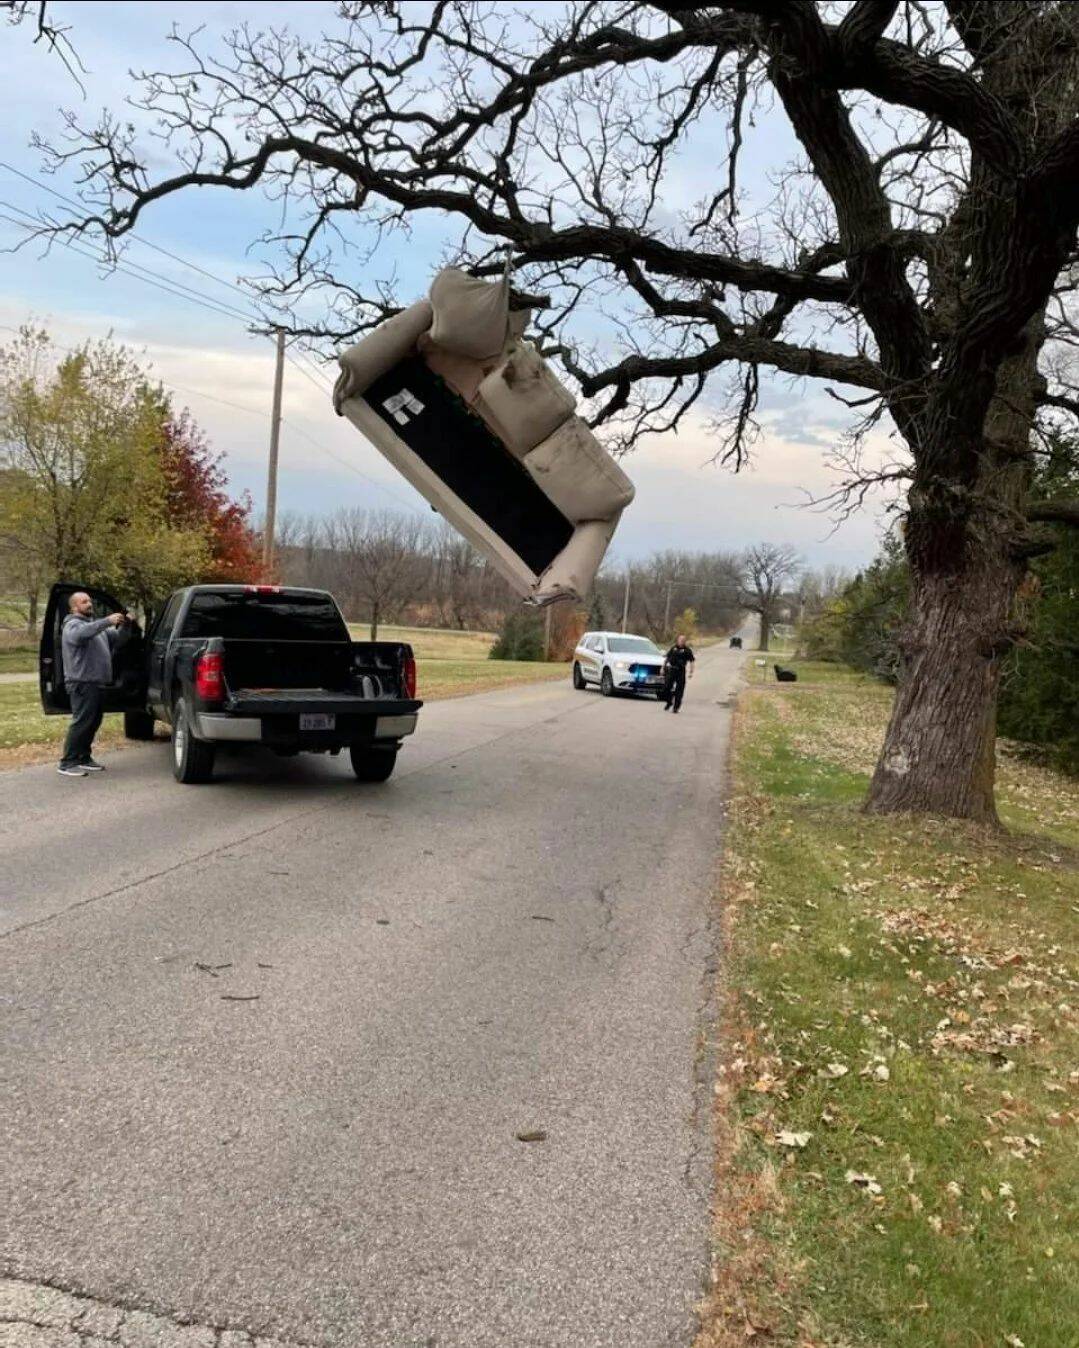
964	543
765	631
31	621
939	751
374	621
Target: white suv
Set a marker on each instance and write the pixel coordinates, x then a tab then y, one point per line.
618	661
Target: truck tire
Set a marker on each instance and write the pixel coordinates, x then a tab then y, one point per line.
606	684
372	765
192	759
578	677
138	725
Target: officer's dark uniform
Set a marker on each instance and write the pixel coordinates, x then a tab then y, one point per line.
675	662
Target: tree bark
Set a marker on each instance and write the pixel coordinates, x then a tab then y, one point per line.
939	752
31	621
765	625
374	621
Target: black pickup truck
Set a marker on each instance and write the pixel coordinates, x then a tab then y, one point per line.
247	664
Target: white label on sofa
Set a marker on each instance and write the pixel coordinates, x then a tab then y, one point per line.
400	403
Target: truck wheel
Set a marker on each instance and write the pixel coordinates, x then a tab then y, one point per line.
578	677
192	759
372	765
606	684
138	725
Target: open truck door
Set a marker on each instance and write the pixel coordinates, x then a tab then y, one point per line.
127	692
473	416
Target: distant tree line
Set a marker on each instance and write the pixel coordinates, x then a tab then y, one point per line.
389	566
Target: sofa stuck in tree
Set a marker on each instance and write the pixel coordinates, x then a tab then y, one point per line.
472	415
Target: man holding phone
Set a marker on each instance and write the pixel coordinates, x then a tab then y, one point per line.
86	645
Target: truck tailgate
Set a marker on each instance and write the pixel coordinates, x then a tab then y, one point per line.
295	701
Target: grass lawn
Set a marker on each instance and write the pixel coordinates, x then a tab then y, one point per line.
28	736
18	657
432	643
898	1094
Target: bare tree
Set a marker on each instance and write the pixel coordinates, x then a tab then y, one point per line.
377	560
458	578
919	258
768	573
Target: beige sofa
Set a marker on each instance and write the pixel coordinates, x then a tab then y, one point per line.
470	413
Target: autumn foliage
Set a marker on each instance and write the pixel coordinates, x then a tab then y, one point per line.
197	498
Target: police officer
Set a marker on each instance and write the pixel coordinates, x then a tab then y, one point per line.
676	663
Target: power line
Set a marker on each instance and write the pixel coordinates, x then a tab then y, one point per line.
70	201
181	291
311	378
134	270
174	388
176	257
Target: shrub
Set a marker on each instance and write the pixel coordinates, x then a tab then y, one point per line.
521	637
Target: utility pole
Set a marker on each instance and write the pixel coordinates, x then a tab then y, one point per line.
547	631
625	603
275	440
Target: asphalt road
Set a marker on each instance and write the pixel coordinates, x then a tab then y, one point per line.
513	935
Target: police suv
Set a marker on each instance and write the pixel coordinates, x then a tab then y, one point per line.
618	662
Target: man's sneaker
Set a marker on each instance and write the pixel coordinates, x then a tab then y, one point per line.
91	766
72	770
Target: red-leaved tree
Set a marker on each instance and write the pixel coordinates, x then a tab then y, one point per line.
197	497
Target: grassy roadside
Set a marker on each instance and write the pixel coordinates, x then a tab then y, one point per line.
898	1092
28	736
17	655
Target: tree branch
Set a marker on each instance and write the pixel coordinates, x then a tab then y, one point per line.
796	360
1055	512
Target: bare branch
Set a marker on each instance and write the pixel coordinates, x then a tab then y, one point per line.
1055	512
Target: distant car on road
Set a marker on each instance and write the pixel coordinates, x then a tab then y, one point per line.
618	662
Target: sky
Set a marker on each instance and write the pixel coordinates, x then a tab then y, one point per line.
224	374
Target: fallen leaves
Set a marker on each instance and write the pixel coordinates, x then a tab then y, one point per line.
893	982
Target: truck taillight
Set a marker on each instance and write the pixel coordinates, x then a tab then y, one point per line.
210	676
410	676
262	589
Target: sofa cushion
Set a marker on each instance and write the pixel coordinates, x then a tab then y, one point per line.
522	401
463	374
471	316
578	475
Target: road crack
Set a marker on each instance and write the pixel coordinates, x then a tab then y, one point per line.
48	1316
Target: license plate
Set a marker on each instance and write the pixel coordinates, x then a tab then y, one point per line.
317	720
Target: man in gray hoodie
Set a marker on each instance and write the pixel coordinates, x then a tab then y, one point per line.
86	646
